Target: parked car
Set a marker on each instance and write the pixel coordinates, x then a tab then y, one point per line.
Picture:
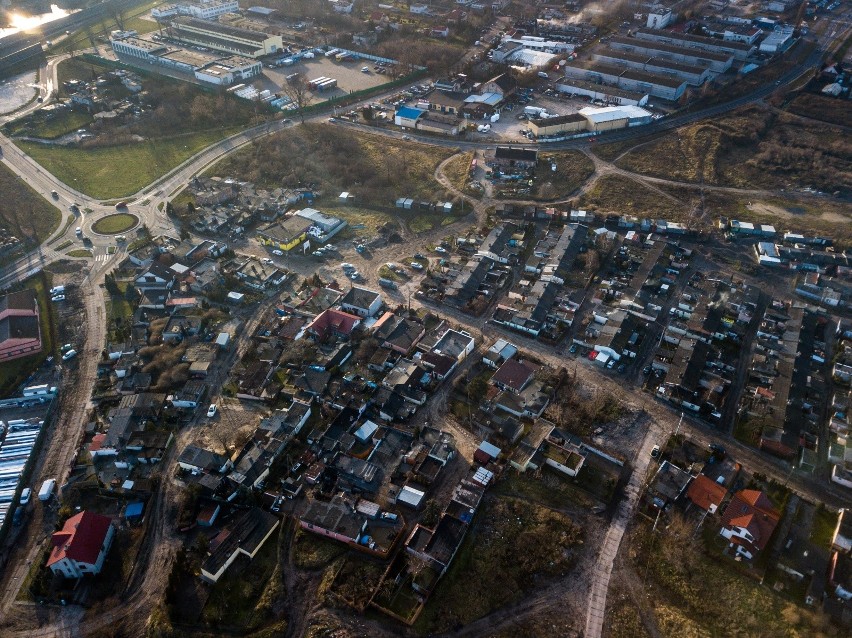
69	355
211	411
25	495
278	253
266	260
78	231
66	347
655	452
58	298
441	249
416	265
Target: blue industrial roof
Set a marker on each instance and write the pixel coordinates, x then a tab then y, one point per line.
133	509
409	112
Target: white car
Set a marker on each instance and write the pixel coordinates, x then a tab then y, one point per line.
58	298
347	266
211	411
441	249
266	260
69	355
25	495
79	231
67	347
278	253
416	265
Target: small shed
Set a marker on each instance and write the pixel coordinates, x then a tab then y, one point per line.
411	497
367	429
133	511
235	297
486	452
346	197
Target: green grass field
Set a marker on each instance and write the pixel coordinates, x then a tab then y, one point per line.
79	252
23	211
50	127
119	171
114	224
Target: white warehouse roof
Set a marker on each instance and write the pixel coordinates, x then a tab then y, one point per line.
610	113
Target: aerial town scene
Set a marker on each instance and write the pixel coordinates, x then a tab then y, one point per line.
370	318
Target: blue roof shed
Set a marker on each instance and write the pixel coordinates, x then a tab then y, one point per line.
409	112
134	510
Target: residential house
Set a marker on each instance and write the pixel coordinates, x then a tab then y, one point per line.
155	276
189	396
361	302
439	365
514	375
332	323
197	459
259	275
706	493
181	326
454	343
81	546
748	522
500	352
245	537
399	334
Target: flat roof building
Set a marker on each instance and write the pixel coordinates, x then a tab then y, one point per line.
604	92
662	86
717	62
696	75
740	50
226	38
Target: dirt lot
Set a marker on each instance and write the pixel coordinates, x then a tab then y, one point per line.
348	75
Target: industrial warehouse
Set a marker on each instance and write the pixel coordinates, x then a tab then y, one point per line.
205	67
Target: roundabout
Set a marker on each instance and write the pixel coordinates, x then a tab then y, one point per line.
115	224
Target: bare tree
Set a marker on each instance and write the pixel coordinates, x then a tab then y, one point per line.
299	93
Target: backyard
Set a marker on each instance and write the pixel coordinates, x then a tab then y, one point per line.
694	591
513	547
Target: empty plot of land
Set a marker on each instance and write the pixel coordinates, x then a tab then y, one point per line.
338	159
751	148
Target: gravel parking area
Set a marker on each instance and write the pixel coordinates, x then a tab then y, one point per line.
348	75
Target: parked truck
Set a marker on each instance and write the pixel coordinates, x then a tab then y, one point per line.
387	283
46	490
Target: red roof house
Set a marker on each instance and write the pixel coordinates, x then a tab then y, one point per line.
332	322
706	493
748	522
81	546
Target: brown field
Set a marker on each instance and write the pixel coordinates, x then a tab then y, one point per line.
751	148
336	160
821	107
